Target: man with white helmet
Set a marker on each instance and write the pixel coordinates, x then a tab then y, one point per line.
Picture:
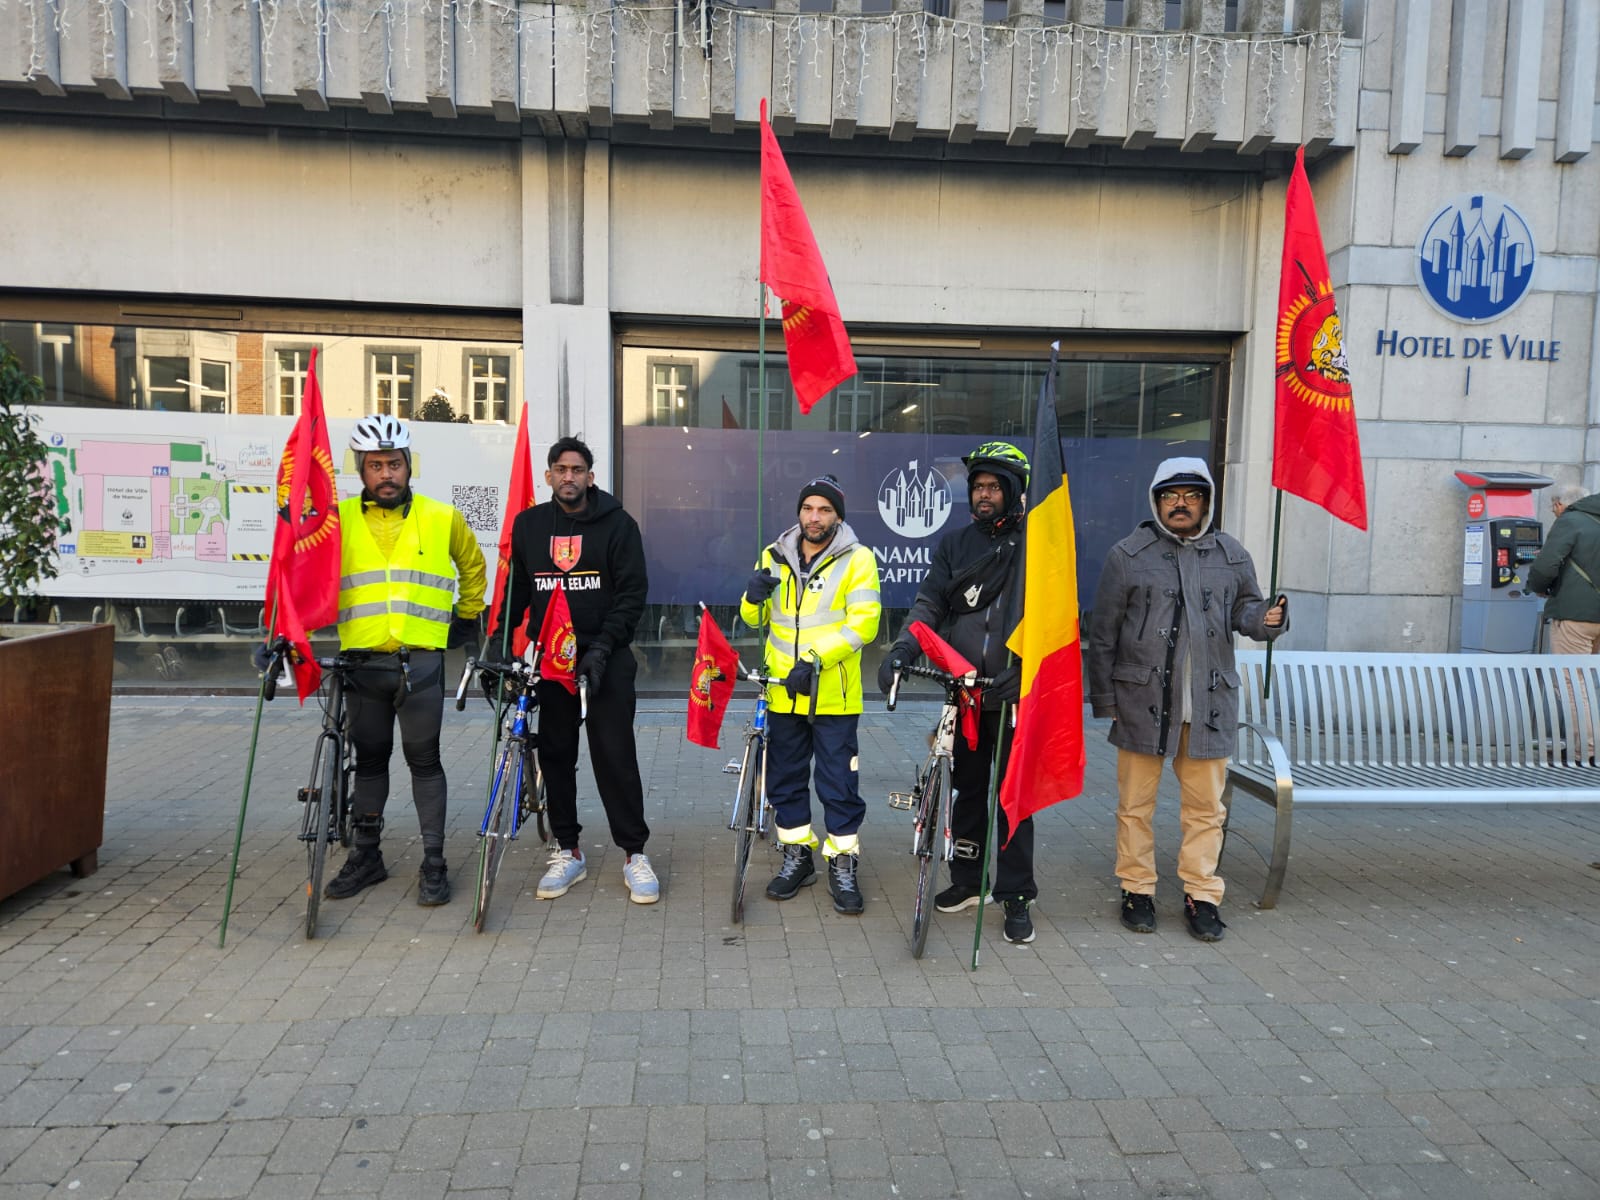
403	557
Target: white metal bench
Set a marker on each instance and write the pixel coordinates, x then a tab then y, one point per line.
1392	729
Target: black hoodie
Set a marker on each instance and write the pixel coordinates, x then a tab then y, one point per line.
602	565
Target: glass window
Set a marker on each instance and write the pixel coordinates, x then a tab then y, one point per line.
393	383
214	391
488	385
165	387
292	363
673	400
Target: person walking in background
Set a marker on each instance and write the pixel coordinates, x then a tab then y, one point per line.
1567	571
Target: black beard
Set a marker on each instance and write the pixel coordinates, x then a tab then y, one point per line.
816	541
396	501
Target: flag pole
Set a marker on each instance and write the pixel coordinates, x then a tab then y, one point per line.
1272	594
988	829
761	424
244	796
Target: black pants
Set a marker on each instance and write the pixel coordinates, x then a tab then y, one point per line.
1011	868
375	698
611	751
792	744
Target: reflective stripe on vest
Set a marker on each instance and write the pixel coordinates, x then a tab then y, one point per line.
408	599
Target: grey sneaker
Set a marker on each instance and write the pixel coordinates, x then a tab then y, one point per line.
643	886
567	867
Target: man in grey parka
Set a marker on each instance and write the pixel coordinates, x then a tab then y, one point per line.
1172	595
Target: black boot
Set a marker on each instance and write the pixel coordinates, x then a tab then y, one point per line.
847	897
433	883
362	868
798	871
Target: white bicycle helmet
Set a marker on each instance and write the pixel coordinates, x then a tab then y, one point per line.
380	432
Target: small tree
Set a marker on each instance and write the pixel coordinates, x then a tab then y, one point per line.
29	520
438	407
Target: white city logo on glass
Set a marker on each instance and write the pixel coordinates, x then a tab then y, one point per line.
914	504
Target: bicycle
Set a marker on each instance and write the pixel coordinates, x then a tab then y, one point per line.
327	798
928	795
516	769
751	810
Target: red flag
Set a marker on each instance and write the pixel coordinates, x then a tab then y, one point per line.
303	577
1316	451
716	666
519	497
945	656
1047	749
558	645
791	265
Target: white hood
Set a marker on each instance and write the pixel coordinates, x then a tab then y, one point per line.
1182	466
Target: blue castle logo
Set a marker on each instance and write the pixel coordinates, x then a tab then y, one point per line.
1475	260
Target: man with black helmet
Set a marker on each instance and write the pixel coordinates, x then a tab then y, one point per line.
1172	595
972	598
816	588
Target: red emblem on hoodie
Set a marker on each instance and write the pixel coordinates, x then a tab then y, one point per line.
566	551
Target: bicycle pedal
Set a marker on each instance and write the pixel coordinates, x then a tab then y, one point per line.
903	800
968	850
304	794
732	767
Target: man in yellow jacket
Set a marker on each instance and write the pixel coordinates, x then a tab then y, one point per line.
816	588
402	559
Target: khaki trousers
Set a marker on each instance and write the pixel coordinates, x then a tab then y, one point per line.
1200	813
1577	637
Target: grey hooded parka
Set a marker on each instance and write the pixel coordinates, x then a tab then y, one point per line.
1164	619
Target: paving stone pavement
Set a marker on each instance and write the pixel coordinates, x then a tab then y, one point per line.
1418	1017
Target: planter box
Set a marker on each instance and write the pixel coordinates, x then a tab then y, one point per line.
55	723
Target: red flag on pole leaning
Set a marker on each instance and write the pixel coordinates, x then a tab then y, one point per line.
558	644
1047	750
519	497
1316	451
303	576
716	666
791	265
947	658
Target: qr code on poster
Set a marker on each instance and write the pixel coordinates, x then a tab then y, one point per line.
479	503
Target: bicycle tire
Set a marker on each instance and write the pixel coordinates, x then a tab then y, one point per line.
746	818
496	832
928	814
535	801
325	778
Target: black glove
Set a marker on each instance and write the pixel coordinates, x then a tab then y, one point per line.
592	666
1007	684
798	681
897	659
262	657
463	632
761	585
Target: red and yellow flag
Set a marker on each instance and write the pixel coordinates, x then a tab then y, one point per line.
1047	753
303	577
716	666
519	497
558	644
1316	451
791	265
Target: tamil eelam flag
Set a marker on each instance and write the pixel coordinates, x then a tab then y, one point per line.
1047	750
1316	452
519	497
303	576
791	265
558	644
716	666
947	658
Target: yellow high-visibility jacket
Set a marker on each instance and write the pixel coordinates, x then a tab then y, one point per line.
397	585
827	613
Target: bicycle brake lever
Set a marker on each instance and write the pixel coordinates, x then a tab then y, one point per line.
583	700
461	688
894	691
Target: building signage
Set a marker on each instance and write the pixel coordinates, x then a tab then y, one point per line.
1475	259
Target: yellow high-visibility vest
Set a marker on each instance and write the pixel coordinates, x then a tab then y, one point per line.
407	597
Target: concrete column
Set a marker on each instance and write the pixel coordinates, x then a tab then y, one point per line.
910	22
1580	47
786	44
1408	77
966	69
1261	16
1519	102
536	92
725	31
1026	18
1463	98
1204	16
291	54
846	71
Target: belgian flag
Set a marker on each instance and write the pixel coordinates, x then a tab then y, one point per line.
1047	756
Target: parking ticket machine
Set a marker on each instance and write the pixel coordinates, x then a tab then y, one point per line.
1498	614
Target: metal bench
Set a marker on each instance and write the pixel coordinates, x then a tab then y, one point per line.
1412	729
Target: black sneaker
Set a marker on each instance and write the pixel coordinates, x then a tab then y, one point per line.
1204	923
798	871
362	868
847	897
433	884
956	897
1139	912
1019	925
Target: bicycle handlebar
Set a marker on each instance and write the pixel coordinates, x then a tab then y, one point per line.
949	682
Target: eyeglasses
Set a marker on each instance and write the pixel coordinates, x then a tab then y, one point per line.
1172	497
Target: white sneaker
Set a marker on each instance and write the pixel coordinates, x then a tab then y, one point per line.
567	867
643	886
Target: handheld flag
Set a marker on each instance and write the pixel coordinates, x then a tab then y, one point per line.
1047	755
947	658
558	644
303	577
1316	451
518	497
792	266
716	666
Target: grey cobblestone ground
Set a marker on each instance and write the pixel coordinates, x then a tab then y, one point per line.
1419	1017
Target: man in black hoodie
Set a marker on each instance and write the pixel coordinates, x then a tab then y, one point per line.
972	598
583	539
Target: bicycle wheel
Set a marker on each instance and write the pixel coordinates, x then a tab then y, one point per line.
929	814
496	830
534	801
317	821
746	817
